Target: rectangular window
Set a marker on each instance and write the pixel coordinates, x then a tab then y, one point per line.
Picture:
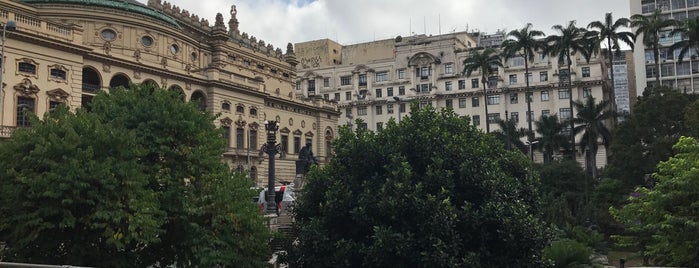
25	67
544	76
530	116
389	108
475	102
462	103
493	82
564	114
517	61
514	98
448	68
58	74
587	92
345	80
253	140
585	71
297	144
311	86
449	103
382	76
401	108
493	99
425	88
326	96
379	109
361	110
227	135
447	86
285	143
53	105
425	73
544	95
474	83
530	96
563	93
545	113
424	103
379	93
348	95
514	116
379	125
476	120
362	80
401	90
389	92
528	77
462	84
493	118
24	106
239	138
401	74
337	96
298	85
513	79
326	82
348	112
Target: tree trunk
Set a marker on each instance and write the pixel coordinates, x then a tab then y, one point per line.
485	104
611	79
593	158
656	56
570	104
529	104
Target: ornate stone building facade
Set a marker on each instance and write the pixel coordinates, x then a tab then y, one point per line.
65	51
374	81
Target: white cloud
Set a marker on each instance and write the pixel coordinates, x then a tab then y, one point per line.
281	21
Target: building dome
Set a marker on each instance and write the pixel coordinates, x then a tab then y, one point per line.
124	5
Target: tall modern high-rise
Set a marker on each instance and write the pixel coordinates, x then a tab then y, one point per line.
374	81
682	75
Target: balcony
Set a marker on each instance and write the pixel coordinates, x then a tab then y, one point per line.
90	88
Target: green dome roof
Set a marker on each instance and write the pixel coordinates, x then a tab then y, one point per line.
126	5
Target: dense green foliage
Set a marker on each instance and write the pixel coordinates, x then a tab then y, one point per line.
486	62
432	191
136	182
551	138
511	136
590	120
662	221
563	187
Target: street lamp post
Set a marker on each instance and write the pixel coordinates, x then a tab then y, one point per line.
271	148
398	101
531	143
10	25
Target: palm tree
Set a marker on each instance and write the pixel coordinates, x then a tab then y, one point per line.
649	27
590	118
571	40
510	135
524	42
485	62
551	137
690	38
610	31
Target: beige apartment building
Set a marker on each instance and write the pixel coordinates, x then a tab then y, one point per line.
673	73
66	51
375	81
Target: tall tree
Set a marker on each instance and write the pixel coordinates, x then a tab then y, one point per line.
661	221
611	31
510	135
136	182
649	27
432	191
689	30
486	62
569	41
551	137
590	119
524	42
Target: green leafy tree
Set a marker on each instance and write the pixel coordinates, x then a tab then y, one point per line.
511	136
433	191
567	253
486	62
137	181
569	41
689	30
551	138
590	120
610	31
646	137
649	27
525	43
562	191
662	221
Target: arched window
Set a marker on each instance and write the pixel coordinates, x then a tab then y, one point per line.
253	112
200	98
24	107
177	89
92	83
119	80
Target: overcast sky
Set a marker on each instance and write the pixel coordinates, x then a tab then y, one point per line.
353	21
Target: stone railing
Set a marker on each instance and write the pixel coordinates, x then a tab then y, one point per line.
6	131
43	28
